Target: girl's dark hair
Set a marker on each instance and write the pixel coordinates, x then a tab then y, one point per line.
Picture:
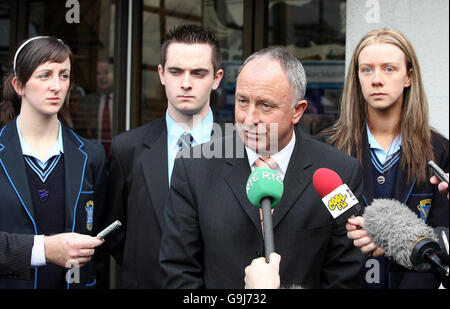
32	54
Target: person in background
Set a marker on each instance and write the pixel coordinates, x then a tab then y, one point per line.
96	109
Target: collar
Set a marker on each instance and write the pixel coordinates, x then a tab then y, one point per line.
200	133
380	152
282	157
54	151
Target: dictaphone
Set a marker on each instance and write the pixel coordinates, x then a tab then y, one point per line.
112	227
438	171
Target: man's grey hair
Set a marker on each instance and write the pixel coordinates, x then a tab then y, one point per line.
290	64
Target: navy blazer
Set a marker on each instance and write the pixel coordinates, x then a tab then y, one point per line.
424	199
85	181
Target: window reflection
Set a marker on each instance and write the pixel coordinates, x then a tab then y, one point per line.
225	18
314	31
90	108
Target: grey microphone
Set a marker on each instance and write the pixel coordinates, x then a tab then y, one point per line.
393	227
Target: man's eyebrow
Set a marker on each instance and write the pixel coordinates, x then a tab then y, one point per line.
174	68
200	70
195	69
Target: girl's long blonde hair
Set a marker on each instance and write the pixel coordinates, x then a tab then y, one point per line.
347	133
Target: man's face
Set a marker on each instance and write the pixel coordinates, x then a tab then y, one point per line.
188	77
264	114
104	76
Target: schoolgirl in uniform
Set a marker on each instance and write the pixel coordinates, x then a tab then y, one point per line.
384	123
52	181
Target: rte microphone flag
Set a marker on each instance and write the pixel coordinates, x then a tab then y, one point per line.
264	183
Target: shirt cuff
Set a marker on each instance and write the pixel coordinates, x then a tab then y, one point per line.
38	252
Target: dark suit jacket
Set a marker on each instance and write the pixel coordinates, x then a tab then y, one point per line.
15	256
85	181
137	190
138	187
213	232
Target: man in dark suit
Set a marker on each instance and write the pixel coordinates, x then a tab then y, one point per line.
141	160
212	231
93	120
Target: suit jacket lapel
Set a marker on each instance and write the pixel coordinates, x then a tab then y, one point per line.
296	179
12	162
236	176
74	167
154	167
238	171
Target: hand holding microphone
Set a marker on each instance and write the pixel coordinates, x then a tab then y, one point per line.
262	275
410	242
361	240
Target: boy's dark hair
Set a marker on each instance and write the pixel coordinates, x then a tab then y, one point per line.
193	34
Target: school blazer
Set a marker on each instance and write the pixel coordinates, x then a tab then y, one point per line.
423	199
85	181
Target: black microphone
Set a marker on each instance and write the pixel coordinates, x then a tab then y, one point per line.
393	227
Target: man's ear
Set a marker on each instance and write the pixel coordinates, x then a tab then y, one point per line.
161	74
217	78
17	86
299	110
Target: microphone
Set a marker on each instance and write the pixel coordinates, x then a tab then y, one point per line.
337	197
393	227
264	190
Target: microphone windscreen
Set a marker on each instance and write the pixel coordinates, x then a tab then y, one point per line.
394	228
264	182
325	181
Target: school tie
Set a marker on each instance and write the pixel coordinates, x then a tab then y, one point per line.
106	126
268	163
185	141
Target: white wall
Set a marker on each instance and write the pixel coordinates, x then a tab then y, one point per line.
426	24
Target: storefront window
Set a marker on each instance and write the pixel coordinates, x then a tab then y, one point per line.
90	109
5	22
314	31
